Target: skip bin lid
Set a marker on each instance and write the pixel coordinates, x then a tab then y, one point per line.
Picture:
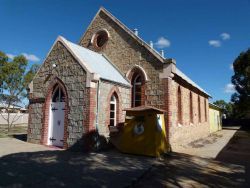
144	108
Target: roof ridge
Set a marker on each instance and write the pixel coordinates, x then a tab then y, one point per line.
131	33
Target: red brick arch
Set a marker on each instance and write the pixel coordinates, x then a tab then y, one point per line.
114	91
46	108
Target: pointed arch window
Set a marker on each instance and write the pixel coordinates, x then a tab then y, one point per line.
179	105
205	106
199	109
137	91
191	108
58	95
113	111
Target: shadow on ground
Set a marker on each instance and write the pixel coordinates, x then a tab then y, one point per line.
22	137
231	167
237	151
71	169
182	170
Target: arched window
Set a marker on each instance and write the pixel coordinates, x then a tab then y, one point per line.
137	91
113	111
205	106
58	95
191	107
199	109
179	105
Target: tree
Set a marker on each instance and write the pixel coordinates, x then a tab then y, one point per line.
227	108
241	80
14	79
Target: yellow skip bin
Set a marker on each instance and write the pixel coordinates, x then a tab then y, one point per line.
144	132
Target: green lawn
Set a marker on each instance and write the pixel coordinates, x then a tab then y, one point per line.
18	129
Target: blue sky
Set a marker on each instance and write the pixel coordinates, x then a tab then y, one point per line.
204	36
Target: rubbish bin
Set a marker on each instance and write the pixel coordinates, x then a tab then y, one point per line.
144	132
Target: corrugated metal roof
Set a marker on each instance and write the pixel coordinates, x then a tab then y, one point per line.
11	106
185	77
97	63
213	105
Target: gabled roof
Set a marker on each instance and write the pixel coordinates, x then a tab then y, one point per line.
147	46
92	62
132	34
96	63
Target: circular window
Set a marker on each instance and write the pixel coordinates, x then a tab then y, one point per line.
100	39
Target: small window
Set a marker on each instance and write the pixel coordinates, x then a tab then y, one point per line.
113	107
100	39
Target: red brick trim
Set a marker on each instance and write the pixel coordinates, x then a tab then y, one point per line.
166	82
46	109
89	112
117	94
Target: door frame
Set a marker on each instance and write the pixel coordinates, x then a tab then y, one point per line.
51	121
46	112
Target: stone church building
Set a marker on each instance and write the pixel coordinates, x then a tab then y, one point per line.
84	87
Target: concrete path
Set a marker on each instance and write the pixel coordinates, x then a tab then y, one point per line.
208	147
227	163
182	170
11	145
221	160
29	165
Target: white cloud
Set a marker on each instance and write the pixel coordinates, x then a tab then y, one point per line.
225	36
214	43
162	43
231	66
229	88
11	56
31	57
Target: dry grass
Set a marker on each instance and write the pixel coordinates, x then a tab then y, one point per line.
18	129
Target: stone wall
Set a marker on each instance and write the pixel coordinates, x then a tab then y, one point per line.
125	52
107	89
73	76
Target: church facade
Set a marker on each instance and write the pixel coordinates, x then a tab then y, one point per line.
83	88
